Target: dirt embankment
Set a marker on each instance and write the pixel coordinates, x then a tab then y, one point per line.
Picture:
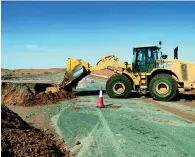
20	139
29	71
32	94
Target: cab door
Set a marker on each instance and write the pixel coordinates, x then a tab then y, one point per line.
143	60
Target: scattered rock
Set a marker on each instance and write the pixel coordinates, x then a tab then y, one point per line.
26	116
77	143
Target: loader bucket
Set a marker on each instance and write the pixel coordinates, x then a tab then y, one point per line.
75	72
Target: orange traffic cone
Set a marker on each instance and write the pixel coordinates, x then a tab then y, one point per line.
100	100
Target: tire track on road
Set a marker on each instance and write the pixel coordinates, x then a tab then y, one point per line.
110	134
86	142
173	140
55	119
175	111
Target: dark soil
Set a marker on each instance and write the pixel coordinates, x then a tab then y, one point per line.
112	106
20	139
31	94
51	98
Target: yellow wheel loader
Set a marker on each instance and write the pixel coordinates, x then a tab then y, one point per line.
77	69
150	71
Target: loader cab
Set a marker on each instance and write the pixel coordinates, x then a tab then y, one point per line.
144	58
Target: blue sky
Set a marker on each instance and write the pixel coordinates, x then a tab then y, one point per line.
45	34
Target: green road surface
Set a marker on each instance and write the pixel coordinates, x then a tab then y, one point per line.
136	129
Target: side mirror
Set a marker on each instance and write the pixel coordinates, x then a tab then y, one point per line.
164	56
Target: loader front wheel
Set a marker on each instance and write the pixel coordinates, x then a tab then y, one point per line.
118	86
163	87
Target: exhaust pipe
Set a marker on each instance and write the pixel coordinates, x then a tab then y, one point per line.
176	53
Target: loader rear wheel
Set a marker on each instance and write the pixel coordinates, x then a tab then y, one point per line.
118	86
163	87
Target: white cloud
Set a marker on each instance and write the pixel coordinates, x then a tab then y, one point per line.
31	46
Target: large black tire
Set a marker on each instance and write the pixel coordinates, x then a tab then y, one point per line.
170	86
120	81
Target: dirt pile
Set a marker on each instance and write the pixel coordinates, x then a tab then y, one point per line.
32	94
20	139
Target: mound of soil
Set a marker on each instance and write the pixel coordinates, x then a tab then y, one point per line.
20	139
32	94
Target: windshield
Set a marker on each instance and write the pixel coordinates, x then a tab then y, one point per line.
140	55
144	58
